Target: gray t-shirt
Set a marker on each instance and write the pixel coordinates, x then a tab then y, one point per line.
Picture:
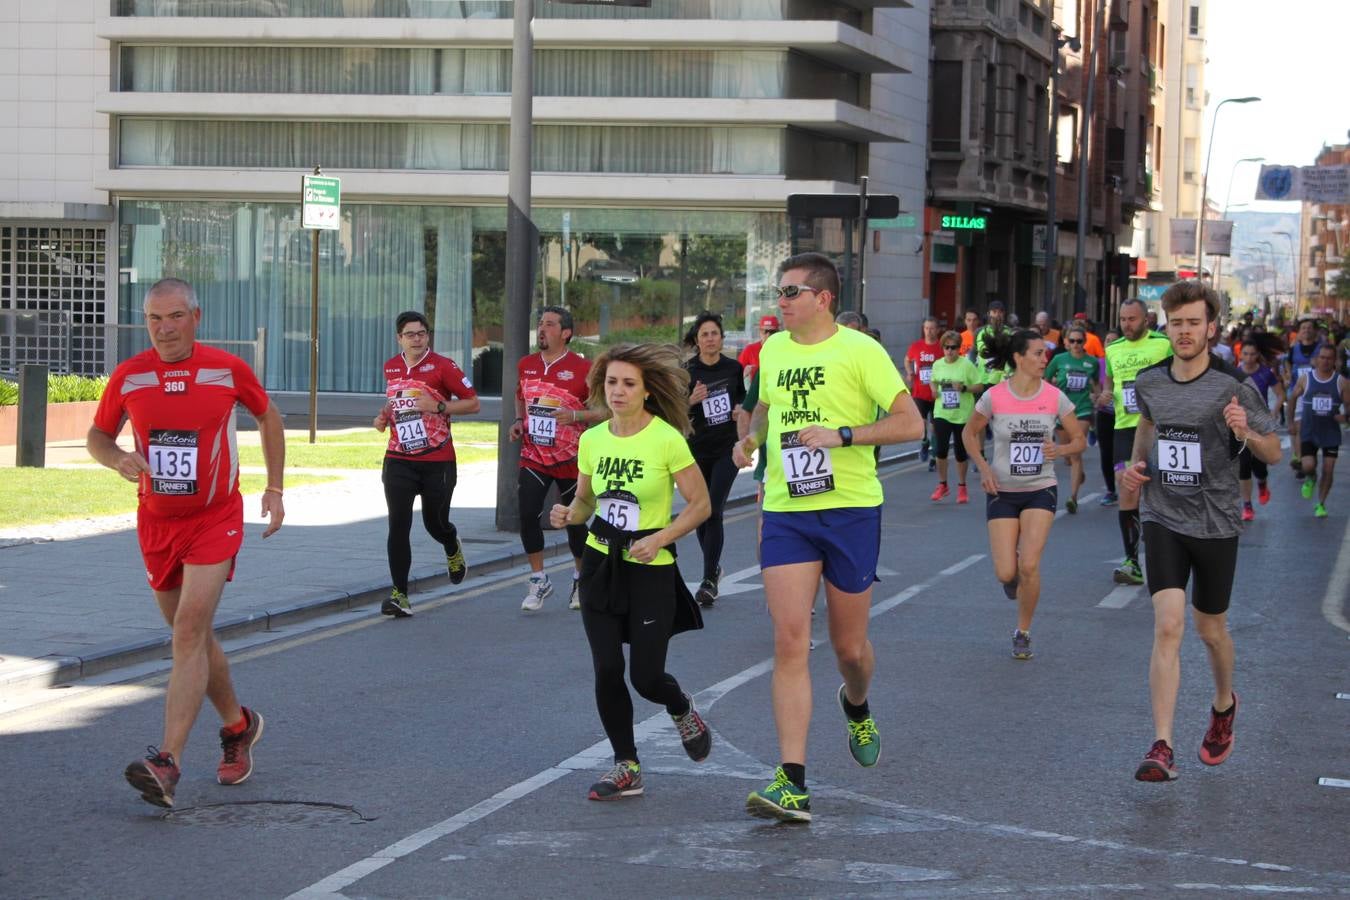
1193	462
1021	426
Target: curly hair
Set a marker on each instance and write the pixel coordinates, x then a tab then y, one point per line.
664	377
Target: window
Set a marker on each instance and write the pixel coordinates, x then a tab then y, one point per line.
1193	85
946	105
1068	139
990	107
992	6
1194	20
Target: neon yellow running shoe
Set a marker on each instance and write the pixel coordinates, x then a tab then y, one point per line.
1308	488
781	800
1320	511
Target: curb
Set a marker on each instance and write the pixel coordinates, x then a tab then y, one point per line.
52	671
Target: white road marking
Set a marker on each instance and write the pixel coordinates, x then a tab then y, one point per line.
1122	596
1340	696
592	757
1334	782
1333	601
730	584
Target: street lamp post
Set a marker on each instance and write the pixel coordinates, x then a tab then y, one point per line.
1228	195
1274	268
1204	185
1293	256
1051	247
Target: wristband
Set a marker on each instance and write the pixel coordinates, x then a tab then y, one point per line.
272	490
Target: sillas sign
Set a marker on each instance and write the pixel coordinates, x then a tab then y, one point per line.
963	223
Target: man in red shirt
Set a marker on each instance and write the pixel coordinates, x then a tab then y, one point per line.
180	397
423	390
551	414
749	358
918	371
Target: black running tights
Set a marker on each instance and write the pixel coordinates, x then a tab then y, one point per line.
531	491
404	480
646	629
719	472
1106	443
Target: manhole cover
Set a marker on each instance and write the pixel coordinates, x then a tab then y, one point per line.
268	814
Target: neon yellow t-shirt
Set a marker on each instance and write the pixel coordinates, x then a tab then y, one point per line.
840	381
632	477
1124	360
949	402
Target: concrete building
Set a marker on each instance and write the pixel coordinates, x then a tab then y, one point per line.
168	137
1181	166
1325	230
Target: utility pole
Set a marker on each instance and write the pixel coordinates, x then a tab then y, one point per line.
522	244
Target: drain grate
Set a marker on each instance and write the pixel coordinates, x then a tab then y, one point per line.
268	814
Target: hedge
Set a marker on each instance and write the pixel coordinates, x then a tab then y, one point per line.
60	389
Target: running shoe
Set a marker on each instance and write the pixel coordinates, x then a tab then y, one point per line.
455	565
939	492
1110	498
864	743
1021	648
707	590
923	452
781	800
536	590
694	733
155	777
1218	742
1128	572
1263	493
1010	588
962	495
1092	437
1320	511
1072	506
1307	489
396	605
236	762
624	780
574	600
1248	514
932	465
1158	764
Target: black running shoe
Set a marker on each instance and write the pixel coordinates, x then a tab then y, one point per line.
455	565
694	733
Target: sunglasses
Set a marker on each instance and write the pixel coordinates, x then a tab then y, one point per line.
792	290
1075	341
951	346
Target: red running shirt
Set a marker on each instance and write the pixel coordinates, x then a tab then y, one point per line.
182	418
416	435
924	355
546	446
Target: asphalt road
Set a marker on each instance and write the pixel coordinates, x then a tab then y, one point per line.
448	755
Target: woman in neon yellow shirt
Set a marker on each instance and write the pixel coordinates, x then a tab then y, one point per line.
627	469
956	382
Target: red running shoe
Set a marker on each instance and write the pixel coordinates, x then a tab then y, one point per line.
1218	742
942	491
1263	493
962	495
236	762
1158	764
155	777
1248	514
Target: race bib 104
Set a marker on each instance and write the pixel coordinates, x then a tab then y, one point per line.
1179	462
1321	405
173	462
807	471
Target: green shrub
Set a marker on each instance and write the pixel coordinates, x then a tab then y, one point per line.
60	389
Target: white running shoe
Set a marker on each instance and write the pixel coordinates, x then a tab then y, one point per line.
538	588
575	601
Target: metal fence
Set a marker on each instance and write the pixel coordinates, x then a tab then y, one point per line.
50	339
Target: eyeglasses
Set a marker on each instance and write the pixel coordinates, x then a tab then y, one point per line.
792	290
1075	341
413	334
951	346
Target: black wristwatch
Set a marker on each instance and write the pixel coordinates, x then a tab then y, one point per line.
846	435
440	407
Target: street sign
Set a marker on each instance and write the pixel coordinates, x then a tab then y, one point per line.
841	206
320	202
904	221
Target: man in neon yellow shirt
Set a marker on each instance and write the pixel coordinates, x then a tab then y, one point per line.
1138	348
820	386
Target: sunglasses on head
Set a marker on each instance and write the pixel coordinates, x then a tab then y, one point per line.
792	290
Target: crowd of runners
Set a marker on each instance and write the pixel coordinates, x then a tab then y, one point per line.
1184	417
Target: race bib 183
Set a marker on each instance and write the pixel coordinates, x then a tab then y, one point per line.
717	408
